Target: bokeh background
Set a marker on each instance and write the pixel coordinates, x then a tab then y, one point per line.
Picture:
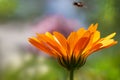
20	19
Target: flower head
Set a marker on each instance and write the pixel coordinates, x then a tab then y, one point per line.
72	52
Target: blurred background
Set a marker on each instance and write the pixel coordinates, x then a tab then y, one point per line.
20	19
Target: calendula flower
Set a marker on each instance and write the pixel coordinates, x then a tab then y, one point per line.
72	52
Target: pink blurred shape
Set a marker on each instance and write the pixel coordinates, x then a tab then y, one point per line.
55	23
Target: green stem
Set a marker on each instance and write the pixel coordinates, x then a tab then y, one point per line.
71	74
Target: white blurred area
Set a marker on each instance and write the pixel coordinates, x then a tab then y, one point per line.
12	36
14	32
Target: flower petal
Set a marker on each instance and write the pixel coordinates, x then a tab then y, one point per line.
110	36
41	46
107	42
80	32
61	39
93	28
96	36
81	44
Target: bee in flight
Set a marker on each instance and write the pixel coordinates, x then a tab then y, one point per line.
79	4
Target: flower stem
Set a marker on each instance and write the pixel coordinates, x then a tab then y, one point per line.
72	74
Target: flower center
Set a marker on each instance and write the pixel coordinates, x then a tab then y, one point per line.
72	63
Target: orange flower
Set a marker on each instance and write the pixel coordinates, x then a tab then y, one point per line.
72	51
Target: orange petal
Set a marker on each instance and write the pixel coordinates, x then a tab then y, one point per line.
115	42
96	36
94	48
80	32
52	42
107	42
49	35
60	39
90	43
41	46
93	28
49	39
81	44
72	39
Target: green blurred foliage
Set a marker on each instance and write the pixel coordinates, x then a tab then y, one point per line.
7	8
106	14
